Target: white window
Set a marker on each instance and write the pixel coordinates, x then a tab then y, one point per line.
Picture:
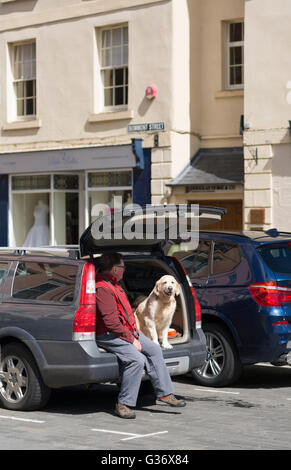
110	189
24	78
114	66
44	209
235	54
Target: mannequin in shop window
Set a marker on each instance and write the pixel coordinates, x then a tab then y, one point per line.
38	235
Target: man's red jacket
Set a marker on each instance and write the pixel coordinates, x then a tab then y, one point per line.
114	312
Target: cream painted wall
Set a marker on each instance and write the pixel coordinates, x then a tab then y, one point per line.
68	79
267	139
281	172
220	112
268	64
181	85
176	45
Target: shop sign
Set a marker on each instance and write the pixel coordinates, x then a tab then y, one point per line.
150	126
210	188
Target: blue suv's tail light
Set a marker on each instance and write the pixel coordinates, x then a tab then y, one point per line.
269	294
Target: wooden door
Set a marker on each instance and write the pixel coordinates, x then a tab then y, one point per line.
232	220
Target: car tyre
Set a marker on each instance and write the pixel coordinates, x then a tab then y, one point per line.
222	366
21	386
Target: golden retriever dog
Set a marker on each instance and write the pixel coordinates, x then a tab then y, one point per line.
154	314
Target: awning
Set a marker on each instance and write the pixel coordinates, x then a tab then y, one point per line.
217	166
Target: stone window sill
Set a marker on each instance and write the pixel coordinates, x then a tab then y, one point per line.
229	93
20	125
111	116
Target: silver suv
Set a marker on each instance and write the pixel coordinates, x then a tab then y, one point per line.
47	316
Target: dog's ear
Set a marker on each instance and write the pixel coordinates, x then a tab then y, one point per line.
178	289
157	288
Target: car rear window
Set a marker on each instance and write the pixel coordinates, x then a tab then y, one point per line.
196	263
49	282
141	276
226	257
3	269
277	258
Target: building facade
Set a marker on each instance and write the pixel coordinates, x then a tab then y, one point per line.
214	174
114	101
75	75
267	136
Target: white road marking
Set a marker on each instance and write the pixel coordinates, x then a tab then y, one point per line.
115	432
215	391
132	435
22	419
144	435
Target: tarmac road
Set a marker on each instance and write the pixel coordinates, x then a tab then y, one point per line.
254	414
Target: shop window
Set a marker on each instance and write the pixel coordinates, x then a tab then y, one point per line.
66	218
31	182
109	190
30	215
114	66
45	210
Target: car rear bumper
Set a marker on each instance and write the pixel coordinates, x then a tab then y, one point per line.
280	351
69	363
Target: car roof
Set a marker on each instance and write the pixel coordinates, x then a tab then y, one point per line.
271	235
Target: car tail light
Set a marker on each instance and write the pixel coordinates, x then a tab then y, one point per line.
195	300
269	294
85	317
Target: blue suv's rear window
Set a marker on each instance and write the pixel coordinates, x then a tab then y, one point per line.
277	258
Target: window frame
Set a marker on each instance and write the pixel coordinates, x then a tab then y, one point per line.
123	65
51	191
89	189
25	98
228	45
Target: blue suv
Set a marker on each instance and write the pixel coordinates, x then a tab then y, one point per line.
243	283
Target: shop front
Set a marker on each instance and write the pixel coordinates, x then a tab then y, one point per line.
49	197
214	177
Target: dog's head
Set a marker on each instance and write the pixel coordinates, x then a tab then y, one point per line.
167	286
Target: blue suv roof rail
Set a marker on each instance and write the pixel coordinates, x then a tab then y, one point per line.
273	232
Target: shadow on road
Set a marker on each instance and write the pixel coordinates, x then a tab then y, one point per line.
102	398
99	398
256	376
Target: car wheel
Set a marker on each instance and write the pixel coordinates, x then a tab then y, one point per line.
222	366
21	386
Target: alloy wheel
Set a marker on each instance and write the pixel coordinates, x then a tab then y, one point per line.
215	361
13	379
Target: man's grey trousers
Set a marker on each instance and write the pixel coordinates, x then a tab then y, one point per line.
132	364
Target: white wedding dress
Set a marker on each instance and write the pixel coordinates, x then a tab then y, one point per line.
38	235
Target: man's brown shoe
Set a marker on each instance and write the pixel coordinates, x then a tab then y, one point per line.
172	401
124	411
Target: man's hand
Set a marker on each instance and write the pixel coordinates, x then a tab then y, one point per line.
137	344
